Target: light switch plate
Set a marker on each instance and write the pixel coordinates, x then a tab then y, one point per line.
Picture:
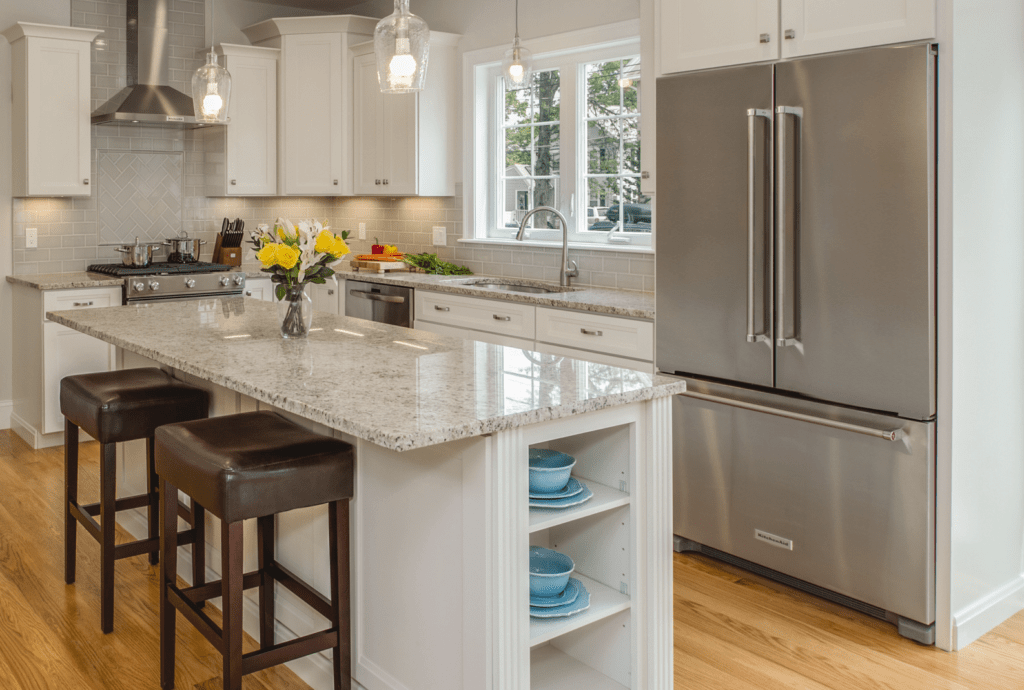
440	236
362	231
31	238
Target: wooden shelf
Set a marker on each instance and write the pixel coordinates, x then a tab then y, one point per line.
604	602
605	498
552	669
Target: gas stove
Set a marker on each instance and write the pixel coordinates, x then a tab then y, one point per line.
174	281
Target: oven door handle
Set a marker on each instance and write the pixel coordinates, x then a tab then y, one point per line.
374	297
885	434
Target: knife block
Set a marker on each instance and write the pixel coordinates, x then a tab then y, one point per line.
228	256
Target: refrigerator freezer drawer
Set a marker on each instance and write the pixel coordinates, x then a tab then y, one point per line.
836	503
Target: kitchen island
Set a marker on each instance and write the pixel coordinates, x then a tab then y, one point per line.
441	522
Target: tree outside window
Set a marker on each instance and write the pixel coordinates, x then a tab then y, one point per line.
532	149
612	123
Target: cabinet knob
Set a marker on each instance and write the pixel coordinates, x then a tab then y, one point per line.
385	181
587	331
502	318
766	38
646	175
790	33
248	293
330	292
377	182
85	181
335	183
234	182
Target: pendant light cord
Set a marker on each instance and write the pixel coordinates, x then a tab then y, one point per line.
517	18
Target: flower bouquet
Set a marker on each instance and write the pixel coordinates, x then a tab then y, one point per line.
296	254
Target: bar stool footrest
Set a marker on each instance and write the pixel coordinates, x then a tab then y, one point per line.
140	501
317	601
197	617
289	651
213	590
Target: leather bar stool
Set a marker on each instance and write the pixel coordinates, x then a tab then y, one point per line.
254	465
112	407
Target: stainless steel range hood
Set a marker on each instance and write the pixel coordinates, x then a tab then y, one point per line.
148	99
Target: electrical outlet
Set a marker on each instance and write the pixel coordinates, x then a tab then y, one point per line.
362	231
31	238
440	236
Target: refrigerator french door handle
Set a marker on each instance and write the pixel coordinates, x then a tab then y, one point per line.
884	434
752	114
780	232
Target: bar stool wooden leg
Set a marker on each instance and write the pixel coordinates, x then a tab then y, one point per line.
231	602
108	508
265	539
70	496
153	482
168	570
199	547
340	594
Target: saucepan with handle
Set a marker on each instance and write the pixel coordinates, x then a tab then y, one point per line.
138	255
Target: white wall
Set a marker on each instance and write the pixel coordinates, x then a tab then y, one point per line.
986	304
11	11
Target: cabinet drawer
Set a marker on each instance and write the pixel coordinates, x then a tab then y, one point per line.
607	334
69	300
597	357
492	316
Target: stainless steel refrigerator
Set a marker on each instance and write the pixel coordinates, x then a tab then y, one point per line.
796	294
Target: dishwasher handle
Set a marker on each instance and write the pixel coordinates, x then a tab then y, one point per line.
374	297
885	434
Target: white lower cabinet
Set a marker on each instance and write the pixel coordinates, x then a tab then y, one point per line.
46	352
259	288
326	297
611	340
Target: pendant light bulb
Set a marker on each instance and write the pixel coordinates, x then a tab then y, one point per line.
518	63
211	90
401	44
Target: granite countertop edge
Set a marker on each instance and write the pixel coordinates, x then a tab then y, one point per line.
397	441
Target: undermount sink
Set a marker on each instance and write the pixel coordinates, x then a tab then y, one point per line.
499	285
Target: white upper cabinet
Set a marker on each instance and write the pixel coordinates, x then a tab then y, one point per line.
241	158
404	144
314	99
696	34
51	138
823	26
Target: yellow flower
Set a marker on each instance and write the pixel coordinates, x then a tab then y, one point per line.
324	242
338	248
268	255
287	256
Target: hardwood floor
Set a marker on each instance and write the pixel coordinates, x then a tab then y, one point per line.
733	630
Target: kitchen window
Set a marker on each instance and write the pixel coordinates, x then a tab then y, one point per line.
569	139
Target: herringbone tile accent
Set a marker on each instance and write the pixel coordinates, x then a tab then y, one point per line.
139	195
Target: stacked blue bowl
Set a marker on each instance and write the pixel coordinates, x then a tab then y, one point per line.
549	470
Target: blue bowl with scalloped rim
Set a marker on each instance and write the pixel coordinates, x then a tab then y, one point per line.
549	572
549	470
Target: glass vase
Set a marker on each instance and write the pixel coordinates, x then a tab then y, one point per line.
295	312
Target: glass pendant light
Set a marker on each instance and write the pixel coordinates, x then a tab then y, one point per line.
401	43
211	89
518	63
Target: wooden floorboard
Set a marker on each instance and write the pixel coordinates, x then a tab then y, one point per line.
733	630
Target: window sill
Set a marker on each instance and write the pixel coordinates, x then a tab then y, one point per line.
587	246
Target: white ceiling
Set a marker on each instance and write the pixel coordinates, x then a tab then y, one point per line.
328	6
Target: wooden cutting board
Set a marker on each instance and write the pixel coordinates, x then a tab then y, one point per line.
379	266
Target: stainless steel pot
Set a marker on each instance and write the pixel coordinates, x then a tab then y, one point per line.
184	249
138	255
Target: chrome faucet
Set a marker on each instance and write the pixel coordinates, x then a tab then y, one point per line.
566	273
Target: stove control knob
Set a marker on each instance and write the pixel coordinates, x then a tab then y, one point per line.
225	281
239	280
153	285
139	287
190	283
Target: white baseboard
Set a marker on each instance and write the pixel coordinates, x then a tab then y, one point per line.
6	410
316	669
983	615
37	439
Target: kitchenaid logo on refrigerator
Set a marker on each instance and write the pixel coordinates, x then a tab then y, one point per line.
774	540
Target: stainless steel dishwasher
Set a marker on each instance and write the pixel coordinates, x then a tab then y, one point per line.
382	303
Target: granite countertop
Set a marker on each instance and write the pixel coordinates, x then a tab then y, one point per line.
395	387
628	303
66	281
